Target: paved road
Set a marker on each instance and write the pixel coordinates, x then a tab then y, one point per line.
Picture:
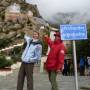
41	81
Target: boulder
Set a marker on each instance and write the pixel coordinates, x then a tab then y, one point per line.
2	35
11	34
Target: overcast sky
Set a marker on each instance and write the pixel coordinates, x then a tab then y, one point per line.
48	8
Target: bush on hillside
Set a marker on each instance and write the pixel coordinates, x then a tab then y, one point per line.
5	62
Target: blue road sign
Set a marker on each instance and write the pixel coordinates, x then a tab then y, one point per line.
73	31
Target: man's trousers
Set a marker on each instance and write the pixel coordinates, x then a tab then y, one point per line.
26	69
52	78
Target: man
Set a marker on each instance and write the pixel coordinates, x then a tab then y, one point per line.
65	70
82	66
55	59
30	56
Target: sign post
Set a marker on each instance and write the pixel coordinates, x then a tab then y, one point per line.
75	65
74	32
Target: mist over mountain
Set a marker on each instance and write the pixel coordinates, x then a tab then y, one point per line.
64	11
71	17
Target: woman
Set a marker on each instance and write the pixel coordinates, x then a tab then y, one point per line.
30	56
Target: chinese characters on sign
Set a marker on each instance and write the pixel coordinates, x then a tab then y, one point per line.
73	32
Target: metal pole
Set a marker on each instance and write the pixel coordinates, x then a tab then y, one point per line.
75	65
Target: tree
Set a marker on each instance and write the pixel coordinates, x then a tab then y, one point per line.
83	46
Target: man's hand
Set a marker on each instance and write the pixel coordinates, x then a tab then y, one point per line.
58	71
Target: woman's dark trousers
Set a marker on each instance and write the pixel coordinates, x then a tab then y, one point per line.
26	69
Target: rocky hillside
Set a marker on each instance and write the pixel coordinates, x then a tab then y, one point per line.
24	7
14	23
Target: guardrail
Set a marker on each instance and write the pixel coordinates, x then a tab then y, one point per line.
11	47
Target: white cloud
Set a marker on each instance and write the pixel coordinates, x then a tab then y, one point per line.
49	8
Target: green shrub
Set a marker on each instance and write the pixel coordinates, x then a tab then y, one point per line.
4	43
45	47
16	58
16	54
4	62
